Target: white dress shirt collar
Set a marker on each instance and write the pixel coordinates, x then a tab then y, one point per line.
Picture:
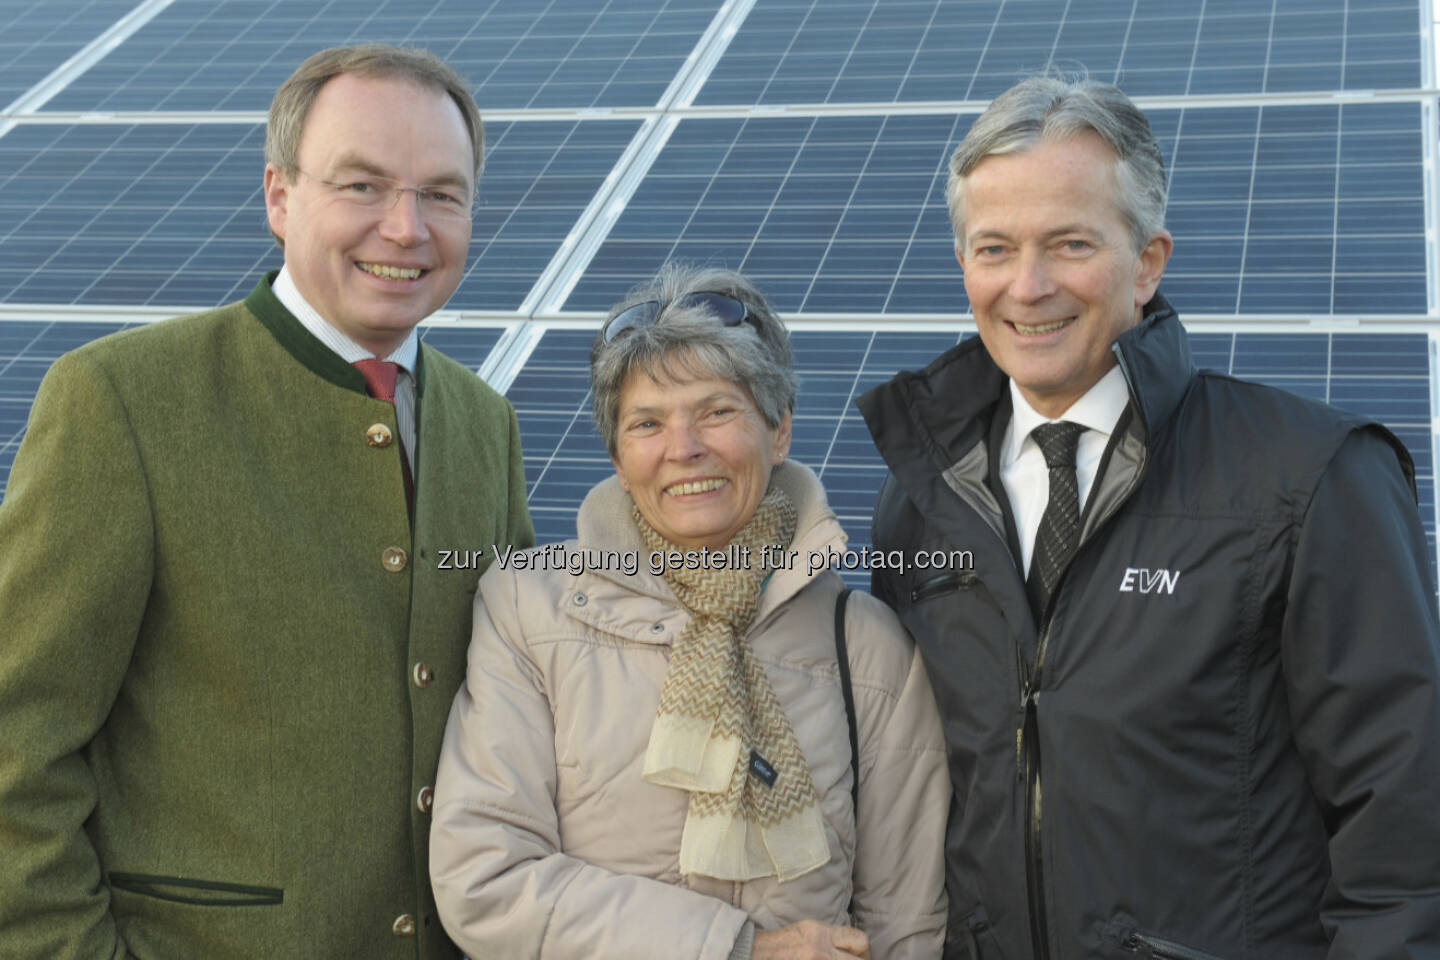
1097	409
1022	466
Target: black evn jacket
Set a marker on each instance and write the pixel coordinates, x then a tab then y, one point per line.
1223	739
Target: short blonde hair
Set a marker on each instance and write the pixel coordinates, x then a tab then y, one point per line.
297	94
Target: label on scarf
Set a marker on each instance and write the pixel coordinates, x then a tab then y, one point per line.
762	770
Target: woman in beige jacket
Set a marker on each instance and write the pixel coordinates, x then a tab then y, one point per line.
649	757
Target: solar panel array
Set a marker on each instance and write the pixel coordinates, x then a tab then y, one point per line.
172	214
1285	209
802	142
232	54
894	51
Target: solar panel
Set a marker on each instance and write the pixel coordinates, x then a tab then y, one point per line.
892	51
564	457
40	35
172	215
1280	209
517	54
826	214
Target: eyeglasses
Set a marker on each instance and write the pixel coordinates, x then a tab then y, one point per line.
380	193
729	311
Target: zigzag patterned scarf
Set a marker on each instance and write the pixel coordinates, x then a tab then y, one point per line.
720	731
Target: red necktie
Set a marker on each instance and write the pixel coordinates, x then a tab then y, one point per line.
380	383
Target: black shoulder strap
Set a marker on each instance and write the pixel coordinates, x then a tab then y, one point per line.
842	659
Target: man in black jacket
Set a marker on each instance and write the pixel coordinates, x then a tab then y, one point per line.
1189	684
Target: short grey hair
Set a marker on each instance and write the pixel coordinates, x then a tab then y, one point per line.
1050	108
685	343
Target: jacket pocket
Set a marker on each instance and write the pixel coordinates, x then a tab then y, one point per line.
971	938
1146	945
941	584
207	893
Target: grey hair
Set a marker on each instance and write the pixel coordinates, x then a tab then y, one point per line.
1050	108
687	344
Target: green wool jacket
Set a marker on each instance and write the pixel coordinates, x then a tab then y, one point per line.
226	658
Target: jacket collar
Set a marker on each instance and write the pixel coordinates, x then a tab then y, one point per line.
1155	357
305	347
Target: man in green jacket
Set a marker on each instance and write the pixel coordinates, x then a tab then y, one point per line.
230	640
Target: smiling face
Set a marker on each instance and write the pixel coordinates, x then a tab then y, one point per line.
695	455
1051	267
374	272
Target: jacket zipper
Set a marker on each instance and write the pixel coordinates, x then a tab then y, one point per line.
1164	949
1027	763
1027	748
1027	743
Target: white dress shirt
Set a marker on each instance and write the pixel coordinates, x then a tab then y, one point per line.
1022	465
348	350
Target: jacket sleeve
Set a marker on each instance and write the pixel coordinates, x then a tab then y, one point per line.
75	572
899	870
1360	654
503	883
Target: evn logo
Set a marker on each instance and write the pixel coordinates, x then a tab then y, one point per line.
1146	580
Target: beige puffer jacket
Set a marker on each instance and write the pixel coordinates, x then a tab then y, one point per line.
546	841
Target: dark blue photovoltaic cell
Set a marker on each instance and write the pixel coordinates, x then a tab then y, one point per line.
846	51
1296	210
1379	375
40	35
516	54
29	347
173	215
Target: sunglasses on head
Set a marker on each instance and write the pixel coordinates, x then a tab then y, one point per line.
729	311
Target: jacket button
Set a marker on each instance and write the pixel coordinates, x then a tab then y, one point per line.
422	674
394	559
404	926
425	799
657	628
579	600
378	435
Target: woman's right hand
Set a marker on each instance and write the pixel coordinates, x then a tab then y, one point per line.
810	940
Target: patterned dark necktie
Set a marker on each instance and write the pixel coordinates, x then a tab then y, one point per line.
380	376
1059	532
